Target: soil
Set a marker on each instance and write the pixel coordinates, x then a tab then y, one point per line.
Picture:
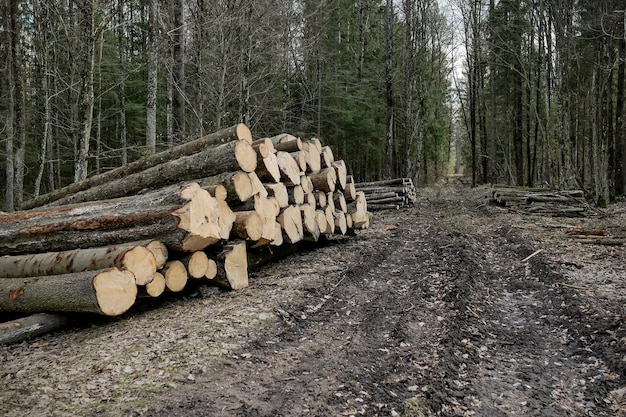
435	310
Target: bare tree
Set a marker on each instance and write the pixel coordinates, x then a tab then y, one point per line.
153	72
389	88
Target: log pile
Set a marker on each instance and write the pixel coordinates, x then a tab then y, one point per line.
204	211
391	194
567	203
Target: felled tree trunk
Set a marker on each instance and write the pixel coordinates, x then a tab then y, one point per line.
184	218
28	327
136	258
232	266
231	134
230	157
110	292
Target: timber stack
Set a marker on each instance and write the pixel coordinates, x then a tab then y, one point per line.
543	201
204	211
391	194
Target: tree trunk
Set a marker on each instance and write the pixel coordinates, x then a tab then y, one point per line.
87	96
232	266
153	71
28	327
178	70
110	292
225	158
230	136
136	258
184	218
19	105
389	89
620	143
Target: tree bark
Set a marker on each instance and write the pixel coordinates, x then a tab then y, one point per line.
231	136
184	218
153	72
29	327
178	70
110	292
136	258
210	162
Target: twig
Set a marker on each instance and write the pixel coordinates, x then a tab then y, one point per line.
535	253
576	287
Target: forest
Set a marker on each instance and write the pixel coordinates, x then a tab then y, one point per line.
523	92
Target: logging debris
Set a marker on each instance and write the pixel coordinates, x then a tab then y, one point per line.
391	194
542	201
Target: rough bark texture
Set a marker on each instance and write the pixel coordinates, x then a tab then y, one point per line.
25	328
190	148
229	157
184	218
110	292
134	257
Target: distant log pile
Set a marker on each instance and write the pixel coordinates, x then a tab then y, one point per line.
568	203
391	194
202	211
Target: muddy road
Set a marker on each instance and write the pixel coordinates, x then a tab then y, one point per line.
433	311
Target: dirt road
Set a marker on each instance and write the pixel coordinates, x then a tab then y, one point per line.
432	311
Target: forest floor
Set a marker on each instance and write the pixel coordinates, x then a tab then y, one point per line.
432	311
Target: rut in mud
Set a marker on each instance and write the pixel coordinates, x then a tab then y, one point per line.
439	316
432	311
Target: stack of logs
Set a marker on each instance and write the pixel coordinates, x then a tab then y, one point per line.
391	194
567	203
203	211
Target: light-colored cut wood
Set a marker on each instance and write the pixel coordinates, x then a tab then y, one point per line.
341	226
156	287
324	180
341	173
278	235
327	157
110	292
340	201
290	221
237	185
306	184
257	185
211	271
313	157
134	257
196	264
175	275
248	225
322	223
279	192
232	266
159	251
309	221
286	143
295	195
289	169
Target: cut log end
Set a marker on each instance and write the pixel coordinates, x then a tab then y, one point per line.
156	287
211	271
142	263
246	156
115	291
197	265
236	266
